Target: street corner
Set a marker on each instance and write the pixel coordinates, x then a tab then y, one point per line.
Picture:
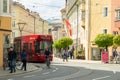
30	68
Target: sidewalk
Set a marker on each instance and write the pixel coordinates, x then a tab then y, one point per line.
30	67
90	64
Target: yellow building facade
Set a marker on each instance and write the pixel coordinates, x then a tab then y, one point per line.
5	28
89	18
99	22
34	24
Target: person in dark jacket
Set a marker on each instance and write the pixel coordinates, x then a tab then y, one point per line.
47	52
12	59
47	55
24	59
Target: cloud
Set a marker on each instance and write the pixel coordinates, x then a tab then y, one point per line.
46	8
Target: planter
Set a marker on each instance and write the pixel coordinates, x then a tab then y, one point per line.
80	57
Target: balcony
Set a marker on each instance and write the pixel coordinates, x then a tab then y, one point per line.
83	6
70	4
63	31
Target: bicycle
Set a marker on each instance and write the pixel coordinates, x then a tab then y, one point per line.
48	61
5	63
18	65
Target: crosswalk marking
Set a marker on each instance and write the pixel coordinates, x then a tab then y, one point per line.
10	79
46	73
29	76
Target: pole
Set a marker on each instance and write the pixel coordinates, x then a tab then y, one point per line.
34	24
77	30
43	27
21	26
20	41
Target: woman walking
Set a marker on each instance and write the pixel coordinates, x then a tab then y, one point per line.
24	59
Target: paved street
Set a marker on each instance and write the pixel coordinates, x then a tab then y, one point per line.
71	70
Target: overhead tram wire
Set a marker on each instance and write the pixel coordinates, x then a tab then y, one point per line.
47	5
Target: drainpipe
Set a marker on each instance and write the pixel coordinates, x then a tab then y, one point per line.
88	30
77	28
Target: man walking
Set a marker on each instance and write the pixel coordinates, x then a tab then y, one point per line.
12	58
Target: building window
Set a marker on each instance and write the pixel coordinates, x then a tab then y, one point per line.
13	34
105	11
5	6
13	24
104	31
115	32
117	14
10	5
83	15
83	1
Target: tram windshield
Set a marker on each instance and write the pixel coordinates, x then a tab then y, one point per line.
40	46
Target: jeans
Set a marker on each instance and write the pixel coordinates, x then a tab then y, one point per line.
24	65
12	65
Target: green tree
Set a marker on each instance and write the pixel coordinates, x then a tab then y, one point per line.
57	45
104	40
116	40
63	43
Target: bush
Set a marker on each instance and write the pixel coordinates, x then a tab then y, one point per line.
80	54
80	57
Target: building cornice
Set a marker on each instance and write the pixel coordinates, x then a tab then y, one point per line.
77	2
7	30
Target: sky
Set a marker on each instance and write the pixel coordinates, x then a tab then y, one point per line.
48	9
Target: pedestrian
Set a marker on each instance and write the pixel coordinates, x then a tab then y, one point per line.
24	59
72	52
47	55
65	55
12	59
115	54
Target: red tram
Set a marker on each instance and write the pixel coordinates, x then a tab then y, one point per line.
35	46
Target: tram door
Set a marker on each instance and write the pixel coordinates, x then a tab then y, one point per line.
30	52
25	46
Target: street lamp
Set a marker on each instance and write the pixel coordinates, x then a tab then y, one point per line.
42	26
77	29
21	27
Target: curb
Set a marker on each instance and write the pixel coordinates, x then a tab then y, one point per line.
20	72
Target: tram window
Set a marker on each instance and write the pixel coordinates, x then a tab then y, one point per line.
37	46
30	47
17	46
45	44
41	46
25	46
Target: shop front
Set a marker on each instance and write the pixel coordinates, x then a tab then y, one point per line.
95	54
5	44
